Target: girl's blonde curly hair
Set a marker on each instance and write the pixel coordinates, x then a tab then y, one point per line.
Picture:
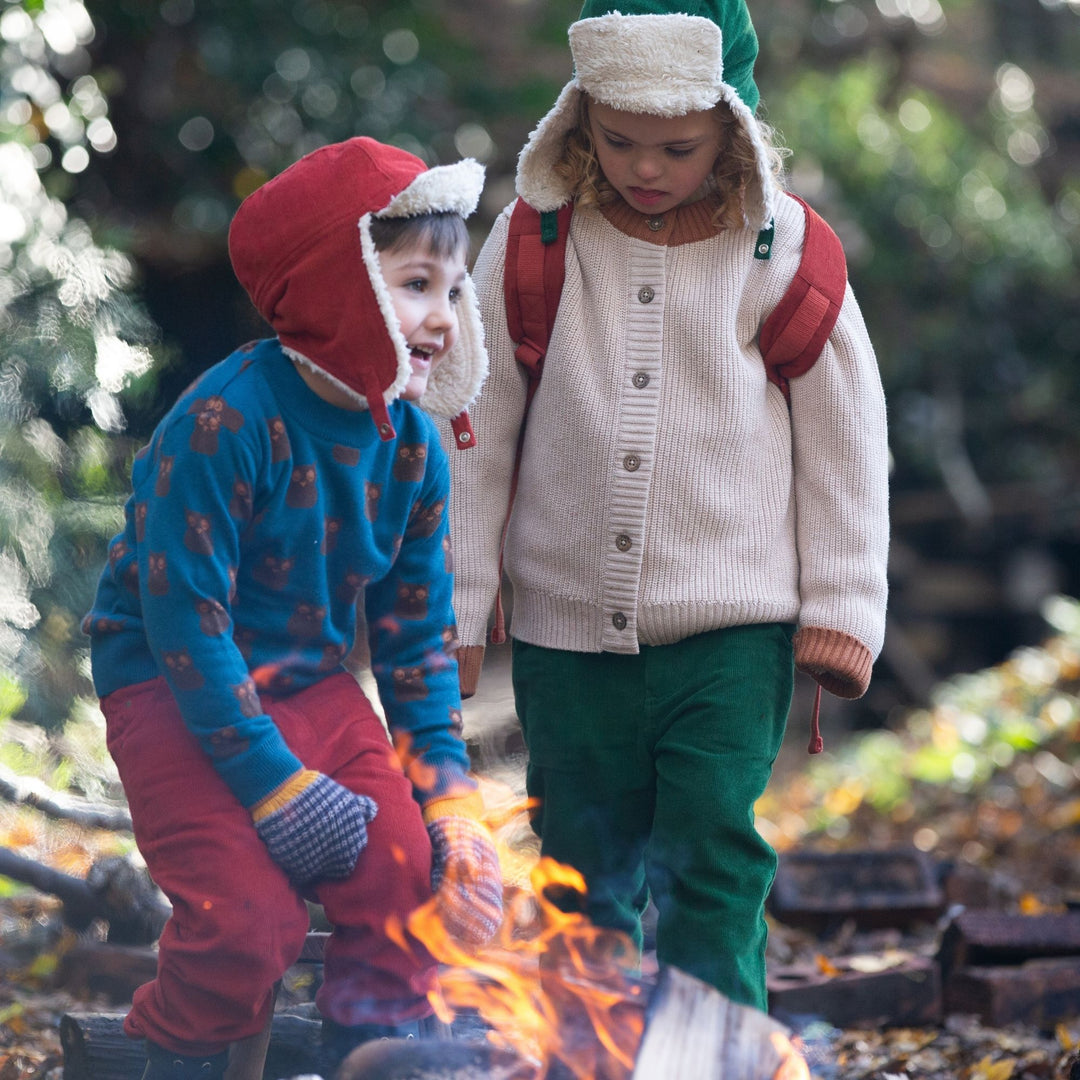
736	164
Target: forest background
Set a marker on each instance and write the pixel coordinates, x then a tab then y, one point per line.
940	138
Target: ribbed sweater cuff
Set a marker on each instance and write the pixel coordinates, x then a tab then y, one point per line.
470	659
839	662
465	805
283	794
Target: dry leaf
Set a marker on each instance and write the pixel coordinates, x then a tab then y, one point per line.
993	1070
826	966
871	963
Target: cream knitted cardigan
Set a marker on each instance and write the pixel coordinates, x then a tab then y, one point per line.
665	488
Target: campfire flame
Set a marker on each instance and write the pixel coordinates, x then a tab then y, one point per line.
792	1064
551	986
560	993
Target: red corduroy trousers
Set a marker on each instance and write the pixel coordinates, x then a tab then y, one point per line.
237	923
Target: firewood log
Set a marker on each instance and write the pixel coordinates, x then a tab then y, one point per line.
405	1059
692	1032
695	1033
96	1048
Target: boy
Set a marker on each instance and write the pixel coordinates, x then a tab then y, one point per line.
290	480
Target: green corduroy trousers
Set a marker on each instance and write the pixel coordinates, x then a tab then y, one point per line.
646	769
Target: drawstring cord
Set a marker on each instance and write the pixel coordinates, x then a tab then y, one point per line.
817	744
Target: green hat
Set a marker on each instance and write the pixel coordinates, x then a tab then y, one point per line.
658	61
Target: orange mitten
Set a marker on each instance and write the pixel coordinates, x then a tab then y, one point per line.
465	874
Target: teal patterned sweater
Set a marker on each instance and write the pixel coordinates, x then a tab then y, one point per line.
259	515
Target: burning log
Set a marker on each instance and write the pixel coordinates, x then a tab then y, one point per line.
693	1032
555	996
402	1059
558	993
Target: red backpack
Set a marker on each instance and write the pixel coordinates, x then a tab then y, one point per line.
790	339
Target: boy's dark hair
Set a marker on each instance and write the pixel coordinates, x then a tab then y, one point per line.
443	233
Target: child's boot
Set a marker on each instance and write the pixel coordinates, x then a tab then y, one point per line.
162	1064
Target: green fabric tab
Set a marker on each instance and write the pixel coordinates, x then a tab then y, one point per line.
549	226
763	244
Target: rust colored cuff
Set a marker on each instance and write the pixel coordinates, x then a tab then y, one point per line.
837	661
470	659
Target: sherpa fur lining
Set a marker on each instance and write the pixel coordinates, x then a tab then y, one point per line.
442	189
386	307
664	65
456	380
617	62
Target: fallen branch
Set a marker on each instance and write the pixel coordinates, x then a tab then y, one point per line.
29	791
114	890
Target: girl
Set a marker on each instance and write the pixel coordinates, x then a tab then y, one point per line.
680	538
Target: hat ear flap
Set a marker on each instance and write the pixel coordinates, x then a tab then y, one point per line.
386	309
456	380
537	182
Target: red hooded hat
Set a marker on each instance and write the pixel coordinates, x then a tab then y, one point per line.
301	246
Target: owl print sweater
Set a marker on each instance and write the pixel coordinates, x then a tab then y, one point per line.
665	487
259	514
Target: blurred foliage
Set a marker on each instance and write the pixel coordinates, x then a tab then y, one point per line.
967	270
940	137
72	336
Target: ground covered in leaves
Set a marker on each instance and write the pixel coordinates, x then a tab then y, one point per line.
986	779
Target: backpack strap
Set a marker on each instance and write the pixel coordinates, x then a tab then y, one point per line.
533	279
532	284
792	337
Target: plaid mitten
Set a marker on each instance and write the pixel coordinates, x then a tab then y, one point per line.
465	874
313	827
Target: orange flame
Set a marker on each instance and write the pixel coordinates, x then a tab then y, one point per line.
551	986
792	1064
410	757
